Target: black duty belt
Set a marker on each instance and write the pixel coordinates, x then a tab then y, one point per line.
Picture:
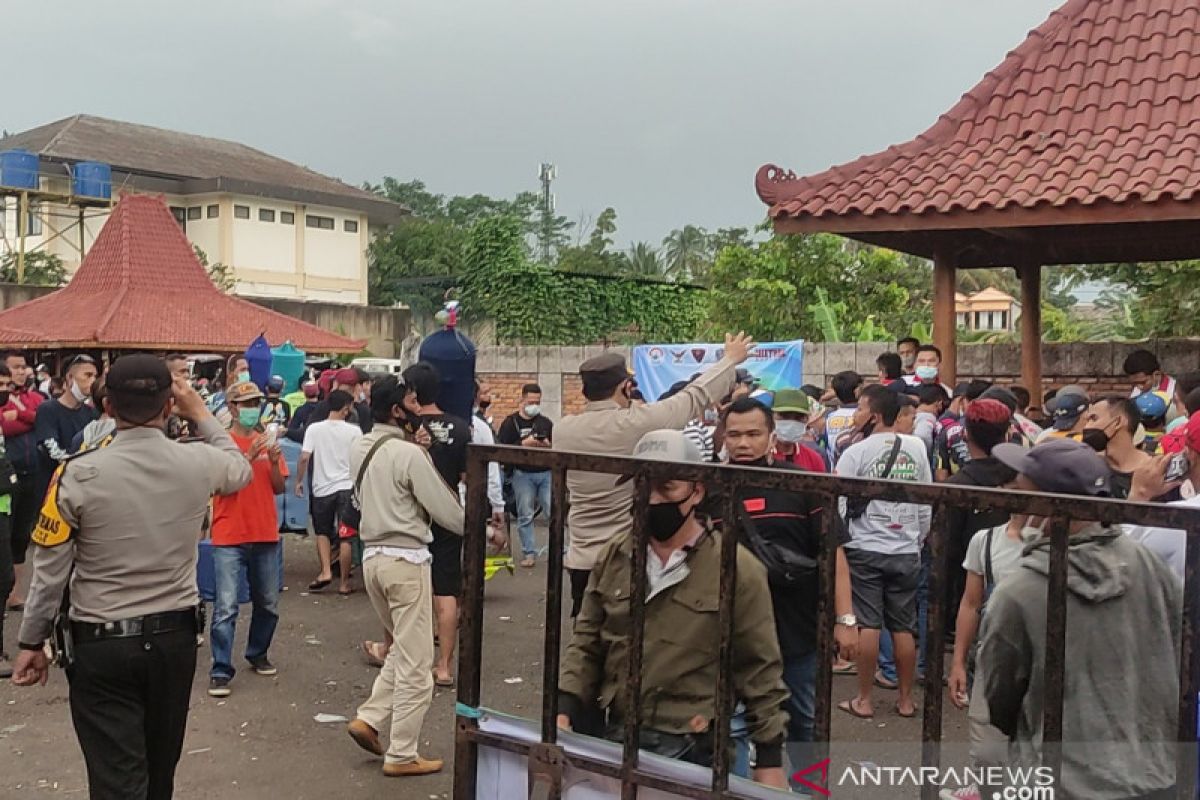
149	625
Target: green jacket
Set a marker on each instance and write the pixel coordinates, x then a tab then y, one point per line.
682	644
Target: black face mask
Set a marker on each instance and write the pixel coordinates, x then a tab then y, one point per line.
665	519
484	405
1096	438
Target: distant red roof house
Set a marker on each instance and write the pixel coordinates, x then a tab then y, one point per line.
142	287
1097	111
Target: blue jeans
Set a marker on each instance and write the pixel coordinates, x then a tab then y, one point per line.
261	562
800	677
532	490
887	658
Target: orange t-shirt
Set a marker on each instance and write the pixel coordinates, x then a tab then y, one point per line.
249	515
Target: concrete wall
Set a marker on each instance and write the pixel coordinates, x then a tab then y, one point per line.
1096	365
383	328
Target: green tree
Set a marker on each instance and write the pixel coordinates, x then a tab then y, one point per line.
643	261
593	257
41	269
687	253
1147	300
220	274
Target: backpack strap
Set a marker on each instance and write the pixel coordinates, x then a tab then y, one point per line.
989	579
891	462
362	470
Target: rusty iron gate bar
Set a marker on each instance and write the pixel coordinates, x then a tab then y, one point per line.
547	758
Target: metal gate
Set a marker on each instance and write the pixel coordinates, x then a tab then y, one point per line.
547	758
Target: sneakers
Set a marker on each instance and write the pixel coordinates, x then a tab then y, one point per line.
965	793
219	687
262	666
365	736
422	766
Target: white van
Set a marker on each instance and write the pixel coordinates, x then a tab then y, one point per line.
378	366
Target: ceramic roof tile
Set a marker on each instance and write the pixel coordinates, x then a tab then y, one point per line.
1101	103
141	287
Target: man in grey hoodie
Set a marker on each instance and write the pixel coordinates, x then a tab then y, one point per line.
1124	611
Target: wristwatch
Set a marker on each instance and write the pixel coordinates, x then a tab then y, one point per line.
849	620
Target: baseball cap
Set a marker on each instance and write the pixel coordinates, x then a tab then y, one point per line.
1066	409
242	392
1152	405
275	384
1061	466
1073	389
794	401
311	390
744	376
1193	431
767	398
1002	395
961	389
346	377
664	445
138	374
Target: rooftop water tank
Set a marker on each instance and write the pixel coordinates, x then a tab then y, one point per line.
92	179
18	169
288	363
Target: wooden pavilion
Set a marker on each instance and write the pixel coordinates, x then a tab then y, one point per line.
1082	146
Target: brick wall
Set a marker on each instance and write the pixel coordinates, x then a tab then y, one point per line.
1095	365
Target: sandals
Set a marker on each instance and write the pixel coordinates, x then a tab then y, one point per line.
445	683
319	585
849	707
902	714
848	668
371	651
884	683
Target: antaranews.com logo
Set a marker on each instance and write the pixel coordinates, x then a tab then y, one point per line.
1020	783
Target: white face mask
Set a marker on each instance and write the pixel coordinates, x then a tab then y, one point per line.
927	373
532	410
790	430
910	360
76	393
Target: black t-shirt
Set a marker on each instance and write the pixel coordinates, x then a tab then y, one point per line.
794	519
360	415
450	435
55	427
517	428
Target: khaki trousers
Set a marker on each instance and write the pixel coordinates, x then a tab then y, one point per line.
402	595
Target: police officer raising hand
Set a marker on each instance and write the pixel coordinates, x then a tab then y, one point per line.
119	525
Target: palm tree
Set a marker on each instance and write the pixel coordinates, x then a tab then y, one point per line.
642	261
686	253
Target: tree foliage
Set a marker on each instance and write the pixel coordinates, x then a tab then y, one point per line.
41	269
1144	300
220	274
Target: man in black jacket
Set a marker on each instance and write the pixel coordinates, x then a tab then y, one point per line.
986	424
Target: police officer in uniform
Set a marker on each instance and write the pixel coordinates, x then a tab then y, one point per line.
119	524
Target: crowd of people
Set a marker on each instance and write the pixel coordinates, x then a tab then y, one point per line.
384	467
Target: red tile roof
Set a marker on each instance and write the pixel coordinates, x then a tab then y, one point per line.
1099	105
142	287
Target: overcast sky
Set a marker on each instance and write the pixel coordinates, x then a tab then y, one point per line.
663	109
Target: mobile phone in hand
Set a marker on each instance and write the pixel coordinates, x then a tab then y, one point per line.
1177	468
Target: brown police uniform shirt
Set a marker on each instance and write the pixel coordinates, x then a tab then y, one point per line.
131	514
599	507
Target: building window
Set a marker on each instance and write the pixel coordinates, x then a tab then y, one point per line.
180	215
241	212
287	217
1004	320
266	215
978	320
193	212
324	223
33	220
350	226
214	211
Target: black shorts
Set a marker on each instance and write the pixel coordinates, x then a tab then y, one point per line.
26	506
327	512
884	588
446	570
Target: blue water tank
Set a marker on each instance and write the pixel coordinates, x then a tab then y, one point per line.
258	355
92	179
454	356
19	169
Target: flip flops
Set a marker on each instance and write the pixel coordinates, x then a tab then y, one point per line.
849	708
317	586
902	714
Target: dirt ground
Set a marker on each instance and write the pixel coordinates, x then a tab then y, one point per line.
263	741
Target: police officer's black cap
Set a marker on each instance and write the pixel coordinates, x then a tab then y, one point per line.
138	374
610	366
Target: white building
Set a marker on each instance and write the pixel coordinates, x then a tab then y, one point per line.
285	230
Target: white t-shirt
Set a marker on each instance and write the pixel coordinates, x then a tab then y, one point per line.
886	526
1006	553
837	422
1169	544
329	444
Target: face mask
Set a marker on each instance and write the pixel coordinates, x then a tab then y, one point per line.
483	405
790	430
665	519
362	397
4	395
248	417
927	373
411	422
1096	438
243	377
532	410
909	361
77	394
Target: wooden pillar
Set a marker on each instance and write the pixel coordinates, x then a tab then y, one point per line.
1031	329
945	321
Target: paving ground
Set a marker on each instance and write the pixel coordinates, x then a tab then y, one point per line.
262	742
